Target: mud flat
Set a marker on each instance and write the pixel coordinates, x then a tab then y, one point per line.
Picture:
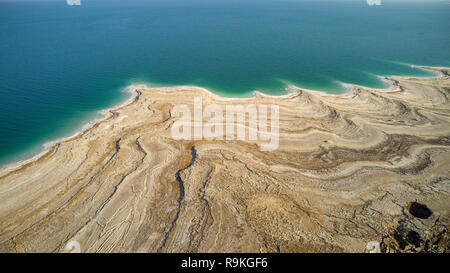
370	165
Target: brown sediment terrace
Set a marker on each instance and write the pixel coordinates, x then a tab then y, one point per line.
349	170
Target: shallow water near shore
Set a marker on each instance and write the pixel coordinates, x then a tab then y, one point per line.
60	64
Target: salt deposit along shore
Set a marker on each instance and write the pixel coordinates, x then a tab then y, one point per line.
349	171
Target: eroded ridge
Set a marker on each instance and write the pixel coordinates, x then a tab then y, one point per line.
345	173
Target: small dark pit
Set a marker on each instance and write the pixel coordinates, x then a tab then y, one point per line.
413	237
400	241
419	210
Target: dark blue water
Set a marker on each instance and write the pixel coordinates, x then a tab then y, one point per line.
59	64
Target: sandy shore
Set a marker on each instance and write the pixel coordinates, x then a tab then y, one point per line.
346	170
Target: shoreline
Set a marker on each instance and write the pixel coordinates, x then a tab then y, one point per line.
132	89
48	146
339	158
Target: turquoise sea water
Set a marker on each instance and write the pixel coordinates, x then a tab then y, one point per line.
59	64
